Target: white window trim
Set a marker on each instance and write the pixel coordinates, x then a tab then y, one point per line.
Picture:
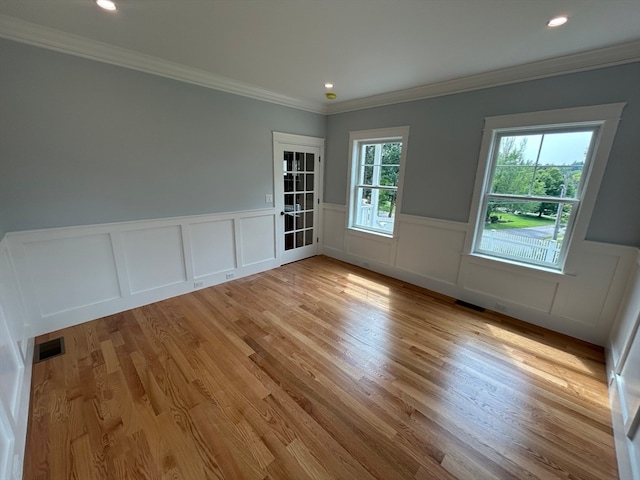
374	135
606	117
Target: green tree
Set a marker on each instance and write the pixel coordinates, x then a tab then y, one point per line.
554	183
513	174
389	172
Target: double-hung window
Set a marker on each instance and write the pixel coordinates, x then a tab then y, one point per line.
377	159
540	174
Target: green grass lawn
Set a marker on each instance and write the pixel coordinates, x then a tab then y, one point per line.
511	220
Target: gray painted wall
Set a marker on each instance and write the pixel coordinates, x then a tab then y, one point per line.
444	144
82	142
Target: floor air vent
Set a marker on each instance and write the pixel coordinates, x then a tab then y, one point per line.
469	305
46	350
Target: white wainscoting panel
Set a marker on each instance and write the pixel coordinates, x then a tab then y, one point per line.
628	318
212	247
430	248
582	298
370	247
71	275
11	301
11	370
510	286
334	221
630	387
431	253
623	365
258	241
16	352
154	258
68	273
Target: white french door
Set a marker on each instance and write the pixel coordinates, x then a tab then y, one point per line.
297	187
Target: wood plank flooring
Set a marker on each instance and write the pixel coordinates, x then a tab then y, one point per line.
318	370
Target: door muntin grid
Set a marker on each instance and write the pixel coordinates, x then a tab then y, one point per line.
299	198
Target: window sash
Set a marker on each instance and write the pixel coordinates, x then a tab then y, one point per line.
374	168
534	198
574	201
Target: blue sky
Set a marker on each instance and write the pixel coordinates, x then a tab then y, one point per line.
557	148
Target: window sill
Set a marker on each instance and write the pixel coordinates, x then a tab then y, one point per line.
369	233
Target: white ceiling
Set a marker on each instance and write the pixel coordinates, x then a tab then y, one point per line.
365	47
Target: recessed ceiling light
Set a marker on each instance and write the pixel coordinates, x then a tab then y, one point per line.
328	85
557	21
106	4
331	95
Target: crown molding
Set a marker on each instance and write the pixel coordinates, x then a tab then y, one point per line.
579	62
30	33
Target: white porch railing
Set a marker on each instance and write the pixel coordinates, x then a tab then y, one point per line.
529	248
368	217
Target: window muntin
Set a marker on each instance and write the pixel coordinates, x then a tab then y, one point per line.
377	187
532	176
374	196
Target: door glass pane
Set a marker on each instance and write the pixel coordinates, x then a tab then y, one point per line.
288	161
310	162
288	222
288	182
288	202
299	199
288	241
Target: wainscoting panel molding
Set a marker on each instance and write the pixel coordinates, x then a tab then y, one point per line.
623	365
64	280
154	257
334	221
207	260
370	248
17	352
512	287
430	248
430	253
257	239
75	274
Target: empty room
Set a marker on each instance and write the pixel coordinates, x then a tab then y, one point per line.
329	239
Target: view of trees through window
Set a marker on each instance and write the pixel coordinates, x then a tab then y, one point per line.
377	185
535	186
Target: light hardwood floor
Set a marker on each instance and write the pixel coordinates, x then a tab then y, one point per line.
319	370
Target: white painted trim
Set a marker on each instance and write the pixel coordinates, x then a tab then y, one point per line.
434	222
579	62
606	117
14	417
45	37
78	312
623	352
377	134
52	39
334	207
282	141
